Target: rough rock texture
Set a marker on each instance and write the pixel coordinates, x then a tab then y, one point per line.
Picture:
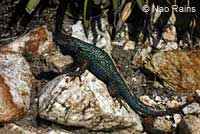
141	54
189	125
85	104
37	41
58	60
168	40
161	123
163	46
179	69
16	79
169	34
192	108
17	129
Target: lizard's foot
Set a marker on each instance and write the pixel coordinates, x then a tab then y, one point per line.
80	71
74	75
119	99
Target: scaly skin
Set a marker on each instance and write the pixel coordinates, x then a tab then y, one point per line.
101	65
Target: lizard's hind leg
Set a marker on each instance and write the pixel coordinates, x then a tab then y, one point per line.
114	93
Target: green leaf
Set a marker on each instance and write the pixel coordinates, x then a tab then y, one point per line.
116	4
168	2
86	21
31	5
140	3
96	2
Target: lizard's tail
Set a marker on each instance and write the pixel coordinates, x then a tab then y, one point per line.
136	105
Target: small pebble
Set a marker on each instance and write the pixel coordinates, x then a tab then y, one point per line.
172	104
147	101
177	119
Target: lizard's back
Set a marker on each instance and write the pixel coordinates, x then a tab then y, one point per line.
100	63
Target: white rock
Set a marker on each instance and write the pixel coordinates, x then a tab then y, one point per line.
129	45
16	81
84	104
177	119
169	34
158	98
162	46
192	108
14	128
198	92
173	104
147	101
58	60
122	39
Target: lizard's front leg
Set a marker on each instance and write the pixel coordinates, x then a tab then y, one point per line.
81	66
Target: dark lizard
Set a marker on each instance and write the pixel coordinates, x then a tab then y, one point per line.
88	56
99	63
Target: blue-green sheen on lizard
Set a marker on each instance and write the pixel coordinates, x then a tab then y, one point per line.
99	63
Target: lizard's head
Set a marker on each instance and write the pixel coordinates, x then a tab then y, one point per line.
66	43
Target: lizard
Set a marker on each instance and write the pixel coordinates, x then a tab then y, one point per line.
100	64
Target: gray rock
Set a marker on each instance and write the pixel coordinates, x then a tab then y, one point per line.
192	108
85	103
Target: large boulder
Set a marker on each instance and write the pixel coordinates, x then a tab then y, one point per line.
16	79
179	69
85	103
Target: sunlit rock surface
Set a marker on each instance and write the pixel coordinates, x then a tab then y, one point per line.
85	104
179	69
59	61
192	108
38	41
16	79
169	34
